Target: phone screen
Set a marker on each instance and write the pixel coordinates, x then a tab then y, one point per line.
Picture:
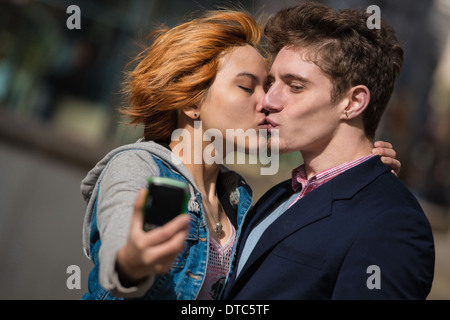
164	202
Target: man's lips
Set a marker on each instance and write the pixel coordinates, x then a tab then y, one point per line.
267	124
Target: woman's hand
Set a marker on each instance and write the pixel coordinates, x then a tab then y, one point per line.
150	253
388	154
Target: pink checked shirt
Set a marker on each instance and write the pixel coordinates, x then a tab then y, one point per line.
299	176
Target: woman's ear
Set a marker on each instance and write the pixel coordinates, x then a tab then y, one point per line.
358	100
191	112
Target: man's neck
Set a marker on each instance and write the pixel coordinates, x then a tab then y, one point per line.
336	152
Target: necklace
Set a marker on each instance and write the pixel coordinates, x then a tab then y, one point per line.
218	225
218	229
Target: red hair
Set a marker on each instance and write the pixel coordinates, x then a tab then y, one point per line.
179	67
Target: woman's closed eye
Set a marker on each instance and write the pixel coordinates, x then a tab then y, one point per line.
246	89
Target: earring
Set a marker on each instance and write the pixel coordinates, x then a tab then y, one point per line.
195	115
346	114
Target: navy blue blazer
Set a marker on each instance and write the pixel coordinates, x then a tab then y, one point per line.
362	235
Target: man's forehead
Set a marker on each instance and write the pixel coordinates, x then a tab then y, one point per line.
295	61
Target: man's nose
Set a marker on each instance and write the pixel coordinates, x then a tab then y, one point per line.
272	101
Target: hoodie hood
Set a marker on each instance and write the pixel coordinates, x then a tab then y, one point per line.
90	185
229	182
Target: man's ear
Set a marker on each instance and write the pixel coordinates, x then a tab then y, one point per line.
358	100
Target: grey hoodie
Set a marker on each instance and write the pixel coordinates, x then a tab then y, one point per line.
122	173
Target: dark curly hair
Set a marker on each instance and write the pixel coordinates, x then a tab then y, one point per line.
344	48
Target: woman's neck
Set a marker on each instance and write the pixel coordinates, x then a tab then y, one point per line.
191	155
205	175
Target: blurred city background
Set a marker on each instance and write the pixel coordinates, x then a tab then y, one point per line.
59	94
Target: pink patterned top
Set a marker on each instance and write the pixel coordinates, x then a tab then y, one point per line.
218	267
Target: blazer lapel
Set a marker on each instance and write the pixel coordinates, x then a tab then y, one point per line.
267	203
350	182
315	206
259	211
311	208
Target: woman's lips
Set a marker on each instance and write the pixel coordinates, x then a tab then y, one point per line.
268	124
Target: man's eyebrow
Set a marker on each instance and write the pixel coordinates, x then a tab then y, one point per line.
292	76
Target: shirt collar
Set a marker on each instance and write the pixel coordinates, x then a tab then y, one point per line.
299	178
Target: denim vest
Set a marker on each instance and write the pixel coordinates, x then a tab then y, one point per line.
184	280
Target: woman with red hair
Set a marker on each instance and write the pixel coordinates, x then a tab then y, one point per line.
209	69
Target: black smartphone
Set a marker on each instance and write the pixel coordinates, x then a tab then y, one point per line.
166	199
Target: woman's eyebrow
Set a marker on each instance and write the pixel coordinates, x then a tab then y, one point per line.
247	74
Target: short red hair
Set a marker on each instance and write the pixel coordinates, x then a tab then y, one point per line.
179	67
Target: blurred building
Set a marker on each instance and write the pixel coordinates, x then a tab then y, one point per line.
437	175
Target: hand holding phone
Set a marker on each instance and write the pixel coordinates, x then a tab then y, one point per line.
135	262
166	199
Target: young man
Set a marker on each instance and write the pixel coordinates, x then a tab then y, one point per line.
344	227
